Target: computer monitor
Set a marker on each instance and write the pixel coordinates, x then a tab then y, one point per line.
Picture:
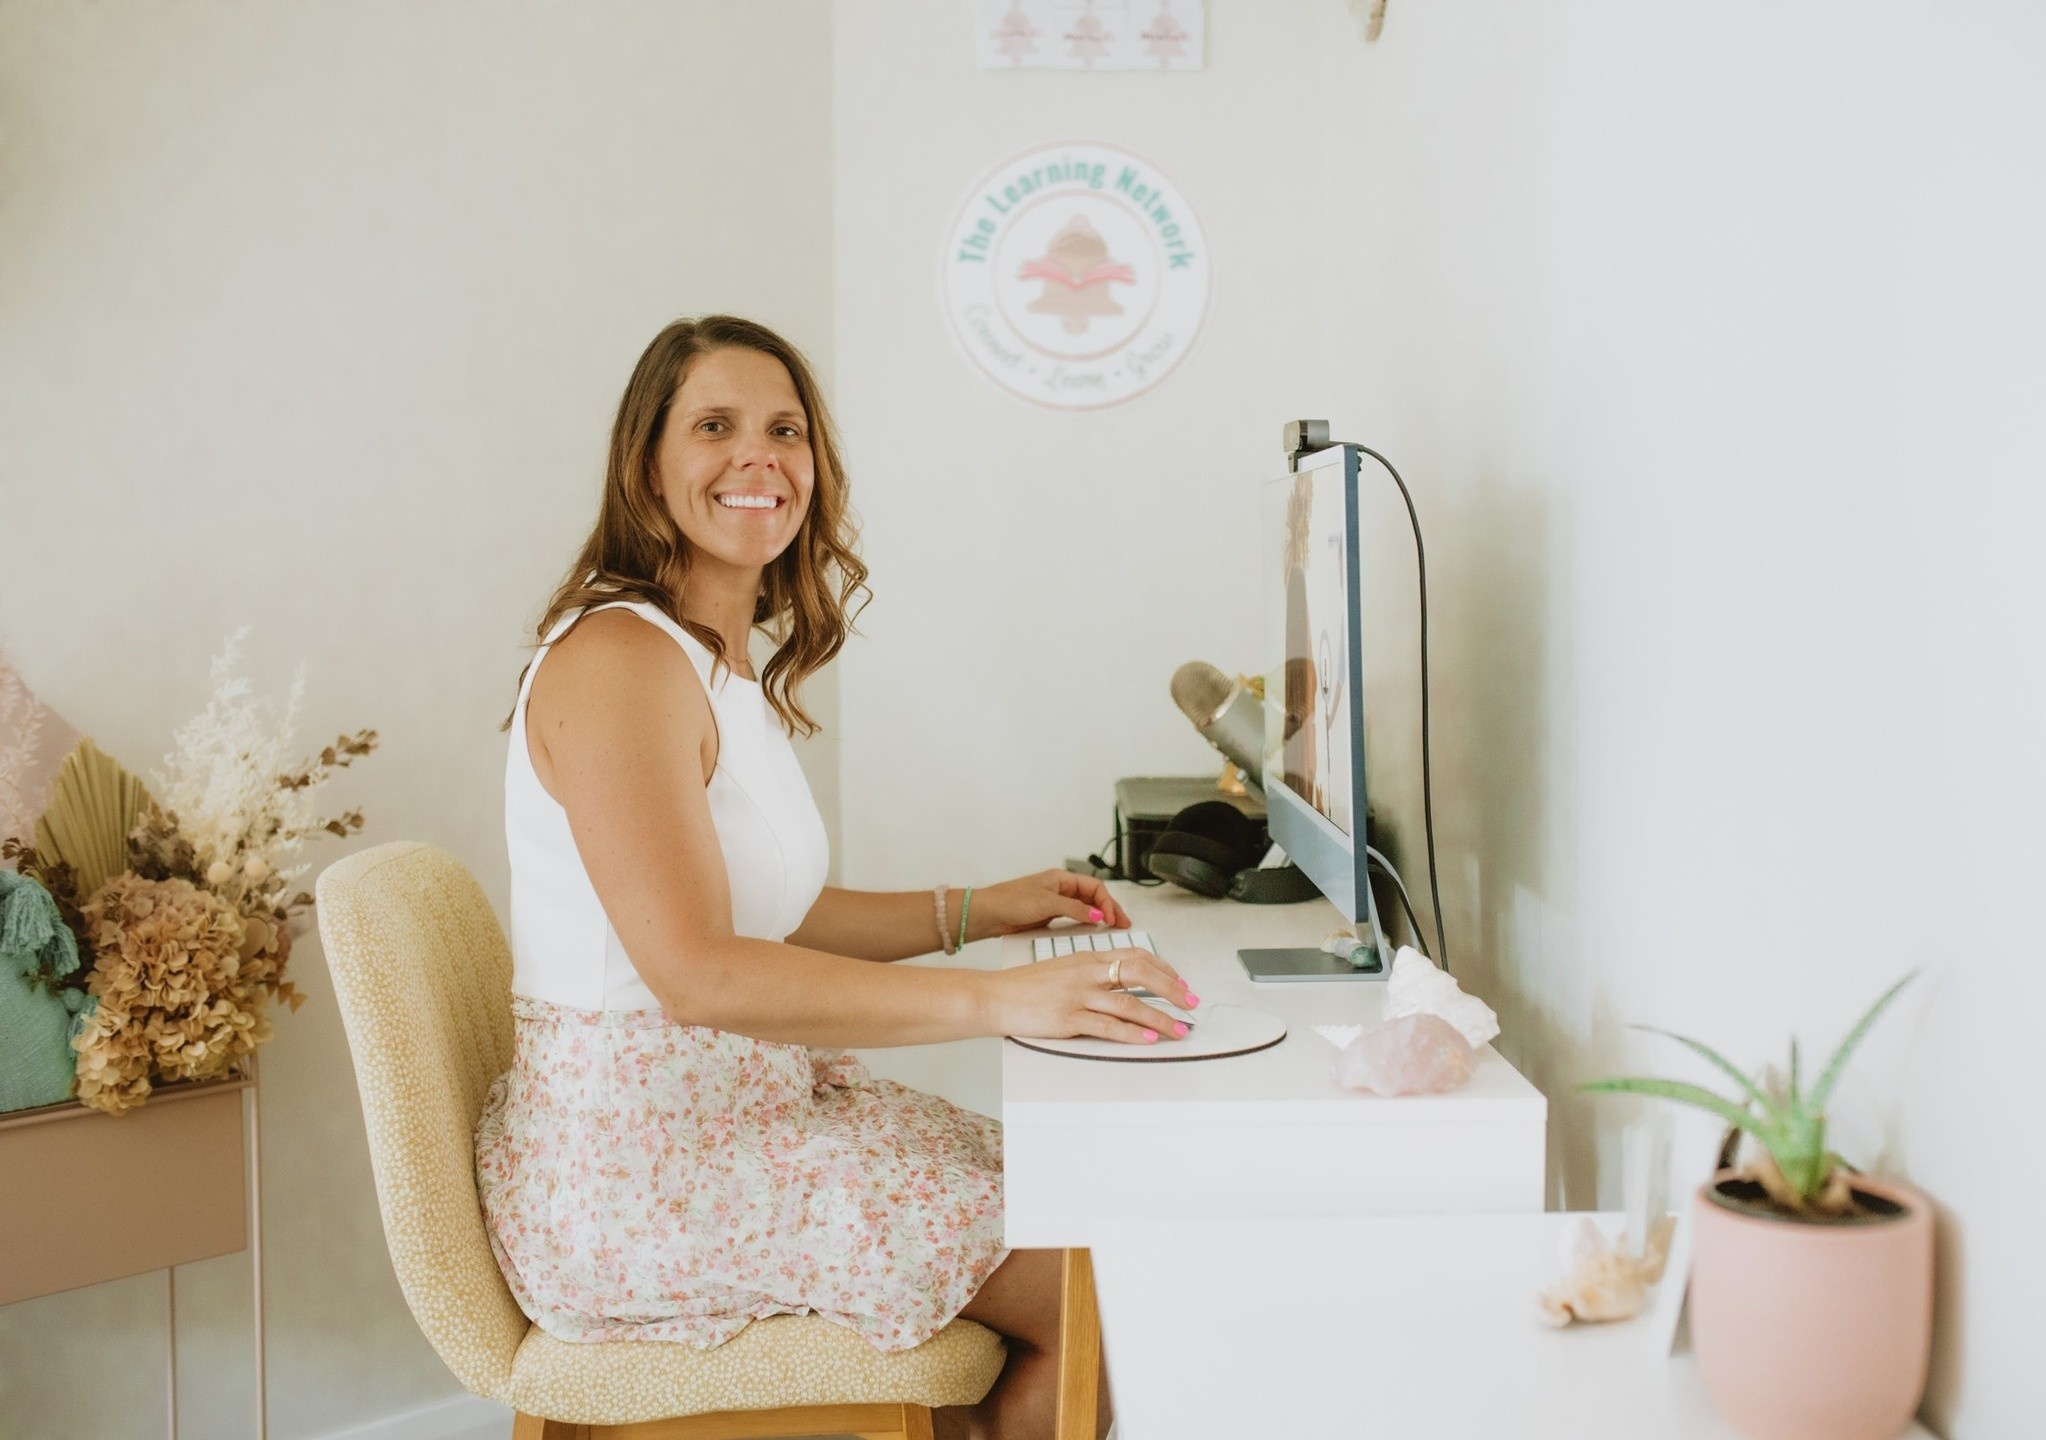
1314	771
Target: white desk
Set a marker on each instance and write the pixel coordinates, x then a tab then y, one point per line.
1402	1326
1215	1206
1252	1136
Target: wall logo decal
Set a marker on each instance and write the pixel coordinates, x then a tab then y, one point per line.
1091	34
1075	275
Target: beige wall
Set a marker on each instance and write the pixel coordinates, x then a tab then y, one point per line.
313	317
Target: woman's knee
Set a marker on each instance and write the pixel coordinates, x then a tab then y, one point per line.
1020	1301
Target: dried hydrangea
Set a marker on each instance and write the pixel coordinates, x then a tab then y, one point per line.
179	983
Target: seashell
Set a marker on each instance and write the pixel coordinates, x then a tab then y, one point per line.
1417	987
93	806
1600	1283
1343	944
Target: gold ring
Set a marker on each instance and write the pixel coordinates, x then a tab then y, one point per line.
1115	972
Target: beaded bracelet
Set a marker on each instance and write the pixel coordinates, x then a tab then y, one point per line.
964	903
944	932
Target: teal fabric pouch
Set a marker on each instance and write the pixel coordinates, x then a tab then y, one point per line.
37	1063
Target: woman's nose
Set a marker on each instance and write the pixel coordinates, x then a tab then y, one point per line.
756	452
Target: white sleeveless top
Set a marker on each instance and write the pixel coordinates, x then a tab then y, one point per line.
564	949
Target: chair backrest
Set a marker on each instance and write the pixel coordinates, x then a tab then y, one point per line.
423	977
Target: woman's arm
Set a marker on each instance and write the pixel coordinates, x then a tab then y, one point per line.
894	925
623	737
876	925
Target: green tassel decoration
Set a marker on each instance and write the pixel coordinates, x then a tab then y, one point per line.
37	1063
33	935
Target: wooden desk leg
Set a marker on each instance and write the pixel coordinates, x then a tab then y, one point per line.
1079	1348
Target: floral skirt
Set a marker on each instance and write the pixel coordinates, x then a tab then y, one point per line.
643	1180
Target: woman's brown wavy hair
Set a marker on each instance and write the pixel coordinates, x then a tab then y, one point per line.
809	593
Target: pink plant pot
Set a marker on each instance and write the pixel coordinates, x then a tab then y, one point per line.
1809	1331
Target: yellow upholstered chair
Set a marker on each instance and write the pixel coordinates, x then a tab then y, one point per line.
423	976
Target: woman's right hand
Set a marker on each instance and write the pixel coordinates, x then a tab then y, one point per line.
1070	996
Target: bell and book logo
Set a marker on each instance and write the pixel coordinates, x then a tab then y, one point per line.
1075	276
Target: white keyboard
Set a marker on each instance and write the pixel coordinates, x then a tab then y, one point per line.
1050	947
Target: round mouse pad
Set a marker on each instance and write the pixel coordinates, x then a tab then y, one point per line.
1218	1031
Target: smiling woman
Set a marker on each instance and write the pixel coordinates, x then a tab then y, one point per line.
647	543
682	1144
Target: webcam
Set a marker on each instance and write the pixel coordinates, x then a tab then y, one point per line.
1303	437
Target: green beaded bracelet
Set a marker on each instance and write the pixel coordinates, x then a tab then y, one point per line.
965	901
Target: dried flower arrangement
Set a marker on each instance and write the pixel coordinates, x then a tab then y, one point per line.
182	901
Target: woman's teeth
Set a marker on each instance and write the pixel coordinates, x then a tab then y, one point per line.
748	502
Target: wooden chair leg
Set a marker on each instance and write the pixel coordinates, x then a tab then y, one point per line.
532	1427
1079	1349
915	1424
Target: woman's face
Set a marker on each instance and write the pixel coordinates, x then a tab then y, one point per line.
734	466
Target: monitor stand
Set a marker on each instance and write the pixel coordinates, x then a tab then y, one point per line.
1315	964
1267	966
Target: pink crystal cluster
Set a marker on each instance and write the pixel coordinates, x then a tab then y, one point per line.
1413	1055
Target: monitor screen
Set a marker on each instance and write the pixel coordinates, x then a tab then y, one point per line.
1314	742
1309	635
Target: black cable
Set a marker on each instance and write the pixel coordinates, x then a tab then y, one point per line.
1119	869
1427	765
1384	868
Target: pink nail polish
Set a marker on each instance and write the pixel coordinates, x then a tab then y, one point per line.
1179	1029
1192	1000
1094	914
1150	1035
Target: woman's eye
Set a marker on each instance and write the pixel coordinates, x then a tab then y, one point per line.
711	427
789	430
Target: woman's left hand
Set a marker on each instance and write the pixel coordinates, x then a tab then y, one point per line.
1035	900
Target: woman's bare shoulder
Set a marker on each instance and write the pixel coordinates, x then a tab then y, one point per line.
614	639
619	663
615	690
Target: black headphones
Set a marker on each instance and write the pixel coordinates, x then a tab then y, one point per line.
1213	849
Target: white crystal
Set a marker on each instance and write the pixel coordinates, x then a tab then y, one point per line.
1417	987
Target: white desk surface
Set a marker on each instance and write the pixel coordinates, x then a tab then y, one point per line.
1268	1133
1290	1081
1392	1326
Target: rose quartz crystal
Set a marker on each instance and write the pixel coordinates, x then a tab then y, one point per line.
1413	1055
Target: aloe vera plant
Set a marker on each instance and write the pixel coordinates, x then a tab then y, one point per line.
1801	1175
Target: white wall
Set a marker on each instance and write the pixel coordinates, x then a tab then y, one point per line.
1709	344
314	316
1714	347
1039	576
